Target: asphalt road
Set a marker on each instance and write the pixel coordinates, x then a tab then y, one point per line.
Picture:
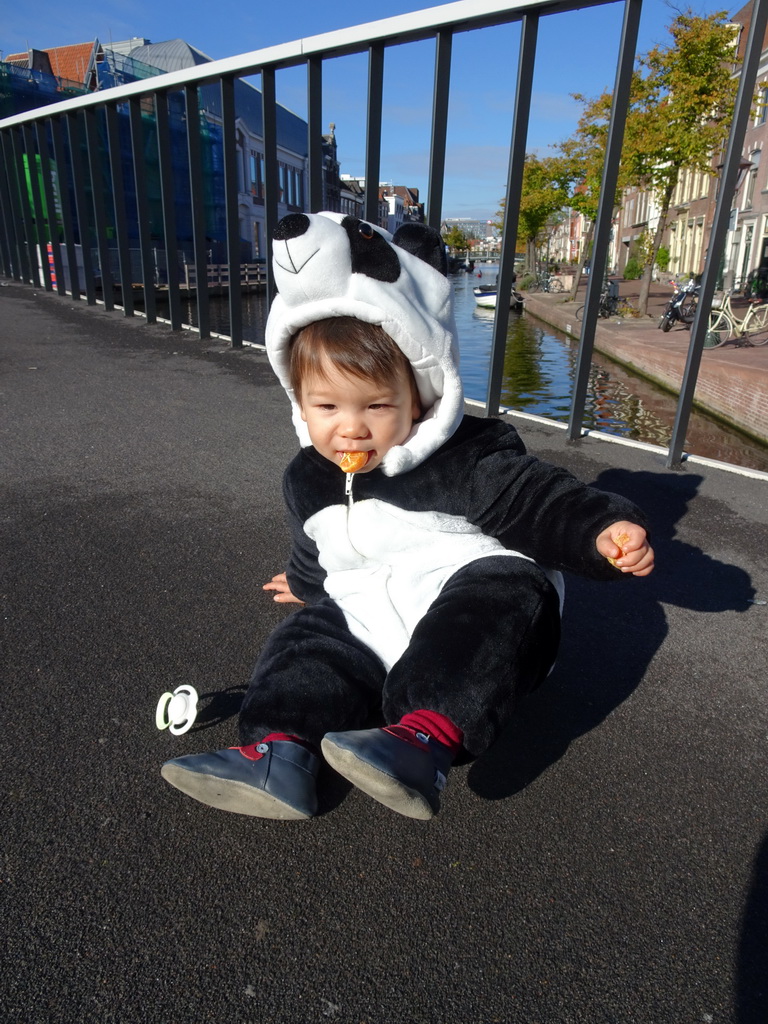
607	861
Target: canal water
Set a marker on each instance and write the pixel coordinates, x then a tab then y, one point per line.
539	371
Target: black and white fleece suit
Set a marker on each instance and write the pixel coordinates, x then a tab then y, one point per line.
431	582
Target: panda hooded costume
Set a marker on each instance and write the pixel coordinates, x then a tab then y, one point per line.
433	580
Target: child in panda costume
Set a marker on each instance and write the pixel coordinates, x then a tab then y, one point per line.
428	545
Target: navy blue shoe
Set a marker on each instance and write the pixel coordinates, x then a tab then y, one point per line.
405	774
270	779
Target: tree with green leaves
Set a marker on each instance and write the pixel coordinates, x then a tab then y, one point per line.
585	150
681	105
680	114
455	239
546	187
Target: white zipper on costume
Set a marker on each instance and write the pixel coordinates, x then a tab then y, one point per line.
348	488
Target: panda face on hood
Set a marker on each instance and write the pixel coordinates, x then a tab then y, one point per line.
329	265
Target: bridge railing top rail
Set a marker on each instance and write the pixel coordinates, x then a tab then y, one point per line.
463	15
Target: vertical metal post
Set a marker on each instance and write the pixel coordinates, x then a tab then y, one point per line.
40	228
373	132
142	209
81	204
315	132
62	181
13	217
620	105
118	200
229	141
440	97
168	203
741	112
197	196
28	248
528	38
50	202
271	182
7	227
96	170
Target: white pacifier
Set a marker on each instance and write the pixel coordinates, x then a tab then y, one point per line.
177	711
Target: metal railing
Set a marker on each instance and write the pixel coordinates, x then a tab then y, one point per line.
62	178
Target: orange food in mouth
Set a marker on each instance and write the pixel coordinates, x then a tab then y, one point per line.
351	462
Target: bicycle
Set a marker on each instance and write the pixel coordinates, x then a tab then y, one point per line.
723	324
609	306
546	283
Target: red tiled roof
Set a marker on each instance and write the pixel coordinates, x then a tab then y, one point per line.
70	62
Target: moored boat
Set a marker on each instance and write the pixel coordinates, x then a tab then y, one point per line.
486	295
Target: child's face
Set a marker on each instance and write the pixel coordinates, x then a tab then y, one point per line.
346	414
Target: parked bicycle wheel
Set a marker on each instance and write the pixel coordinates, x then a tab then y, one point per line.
688	311
758	324
555	284
719	329
603	310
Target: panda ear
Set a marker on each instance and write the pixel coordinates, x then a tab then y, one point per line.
425	242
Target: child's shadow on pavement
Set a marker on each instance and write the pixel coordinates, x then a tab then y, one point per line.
610	634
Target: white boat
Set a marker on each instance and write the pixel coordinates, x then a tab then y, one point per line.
485	297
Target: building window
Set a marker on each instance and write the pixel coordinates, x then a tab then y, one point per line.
257	175
291	181
761	112
752	178
747	252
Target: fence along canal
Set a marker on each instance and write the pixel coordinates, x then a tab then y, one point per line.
89	154
538	375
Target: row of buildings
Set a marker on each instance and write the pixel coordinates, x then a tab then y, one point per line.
37	77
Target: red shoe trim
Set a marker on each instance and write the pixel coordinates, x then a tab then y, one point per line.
253	754
250	751
406	734
286	737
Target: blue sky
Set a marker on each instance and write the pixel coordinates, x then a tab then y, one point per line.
576	53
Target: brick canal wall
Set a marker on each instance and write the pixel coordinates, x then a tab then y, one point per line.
732	383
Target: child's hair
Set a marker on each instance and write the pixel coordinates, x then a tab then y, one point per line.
351	346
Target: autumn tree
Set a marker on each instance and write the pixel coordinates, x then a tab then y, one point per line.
545	191
455	239
681	104
585	150
680	113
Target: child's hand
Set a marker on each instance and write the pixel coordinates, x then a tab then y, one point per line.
283	593
626	546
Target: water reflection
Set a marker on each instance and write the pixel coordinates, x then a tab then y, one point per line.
530	373
539	373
